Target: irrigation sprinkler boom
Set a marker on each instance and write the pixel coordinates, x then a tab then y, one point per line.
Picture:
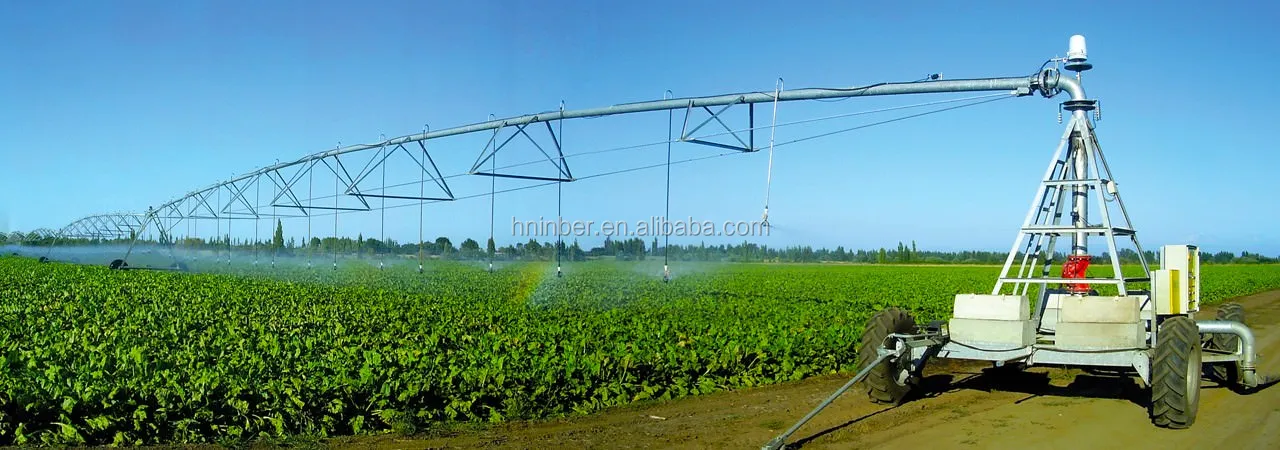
284	179
196	204
1047	82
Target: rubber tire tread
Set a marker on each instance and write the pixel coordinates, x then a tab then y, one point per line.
1228	373
1170	405
879	382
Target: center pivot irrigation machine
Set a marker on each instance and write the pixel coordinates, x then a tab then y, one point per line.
1033	316
1152	332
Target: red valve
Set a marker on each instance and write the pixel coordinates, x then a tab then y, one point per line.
1074	268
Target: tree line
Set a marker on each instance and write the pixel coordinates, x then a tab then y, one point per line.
628	249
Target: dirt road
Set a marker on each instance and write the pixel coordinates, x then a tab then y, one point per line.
963	406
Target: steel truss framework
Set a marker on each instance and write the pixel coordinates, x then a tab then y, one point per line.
111	226
1078	167
238	198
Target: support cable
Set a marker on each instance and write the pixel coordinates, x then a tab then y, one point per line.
887	121
752	128
990	97
689	160
493	190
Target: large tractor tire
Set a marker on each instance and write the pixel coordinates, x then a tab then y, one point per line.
885	383
1227	373
1175	374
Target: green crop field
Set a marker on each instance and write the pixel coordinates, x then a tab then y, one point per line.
125	357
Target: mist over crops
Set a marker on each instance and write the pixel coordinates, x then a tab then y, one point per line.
233	352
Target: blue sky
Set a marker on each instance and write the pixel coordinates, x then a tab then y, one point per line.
113	106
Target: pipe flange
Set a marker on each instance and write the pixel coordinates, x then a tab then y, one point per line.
1080	105
1048	82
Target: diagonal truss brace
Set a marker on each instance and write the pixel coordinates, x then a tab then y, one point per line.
747	145
562	166
433	173
285	188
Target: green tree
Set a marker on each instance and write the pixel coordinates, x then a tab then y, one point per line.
470	248
534	249
490	248
443	245
277	240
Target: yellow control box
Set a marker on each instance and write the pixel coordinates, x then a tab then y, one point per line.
1184	261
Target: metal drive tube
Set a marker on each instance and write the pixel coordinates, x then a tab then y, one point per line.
1080	193
780	441
1248	359
1047	83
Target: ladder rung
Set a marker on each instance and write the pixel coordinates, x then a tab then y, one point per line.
1042	229
1071	182
1075	280
1062	280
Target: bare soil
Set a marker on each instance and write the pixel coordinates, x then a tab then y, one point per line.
960	405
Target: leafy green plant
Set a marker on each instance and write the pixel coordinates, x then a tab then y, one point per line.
93	356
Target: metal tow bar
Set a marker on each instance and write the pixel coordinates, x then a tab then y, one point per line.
902	348
781	441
